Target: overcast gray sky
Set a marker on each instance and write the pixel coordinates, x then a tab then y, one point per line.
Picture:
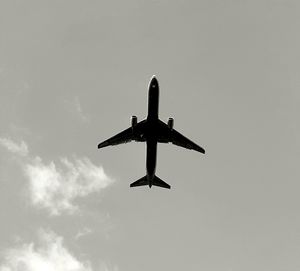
71	75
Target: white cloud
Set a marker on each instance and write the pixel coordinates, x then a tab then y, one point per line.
75	108
56	187
10	145
85	231
79	110
50	255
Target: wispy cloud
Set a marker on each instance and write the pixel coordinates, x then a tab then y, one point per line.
49	255
79	110
13	147
55	186
85	231
75	108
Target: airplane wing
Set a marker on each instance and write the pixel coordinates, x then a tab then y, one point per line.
171	135
125	136
180	140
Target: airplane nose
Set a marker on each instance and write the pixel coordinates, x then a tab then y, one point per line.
153	78
154	81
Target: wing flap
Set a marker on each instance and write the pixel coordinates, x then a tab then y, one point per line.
180	140
125	136
166	135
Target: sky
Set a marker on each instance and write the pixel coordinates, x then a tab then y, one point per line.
72	73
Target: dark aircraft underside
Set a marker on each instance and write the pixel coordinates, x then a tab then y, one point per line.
152	131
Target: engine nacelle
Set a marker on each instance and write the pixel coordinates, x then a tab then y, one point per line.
133	121
171	123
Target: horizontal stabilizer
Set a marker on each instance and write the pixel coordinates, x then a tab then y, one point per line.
140	182
158	182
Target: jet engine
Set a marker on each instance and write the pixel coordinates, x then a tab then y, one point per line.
171	123
133	121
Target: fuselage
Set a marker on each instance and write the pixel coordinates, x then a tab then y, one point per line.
151	131
152	118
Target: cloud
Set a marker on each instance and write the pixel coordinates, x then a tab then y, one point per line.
78	109
55	186
49	255
19	149
85	231
75	108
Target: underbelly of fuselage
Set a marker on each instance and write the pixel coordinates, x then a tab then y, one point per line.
151	158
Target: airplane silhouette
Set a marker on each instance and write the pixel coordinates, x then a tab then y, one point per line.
152	131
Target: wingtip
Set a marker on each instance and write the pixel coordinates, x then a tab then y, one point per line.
100	145
200	150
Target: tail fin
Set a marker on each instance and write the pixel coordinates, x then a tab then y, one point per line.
140	182
158	182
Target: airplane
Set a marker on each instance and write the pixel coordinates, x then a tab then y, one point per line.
152	131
